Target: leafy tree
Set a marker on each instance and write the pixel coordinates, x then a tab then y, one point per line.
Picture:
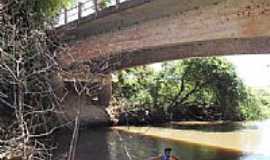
133	84
49	7
213	80
200	82
257	104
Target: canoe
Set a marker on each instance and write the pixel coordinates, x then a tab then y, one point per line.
159	158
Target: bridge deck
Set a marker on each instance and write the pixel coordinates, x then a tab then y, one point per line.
147	31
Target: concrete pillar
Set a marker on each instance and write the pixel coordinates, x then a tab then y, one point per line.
105	95
89	113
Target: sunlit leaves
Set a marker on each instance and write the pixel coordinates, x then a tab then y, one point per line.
190	82
50	7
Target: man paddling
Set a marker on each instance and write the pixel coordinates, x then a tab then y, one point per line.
166	155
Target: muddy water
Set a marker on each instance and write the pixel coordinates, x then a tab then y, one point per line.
190	141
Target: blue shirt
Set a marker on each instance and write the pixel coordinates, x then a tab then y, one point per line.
164	157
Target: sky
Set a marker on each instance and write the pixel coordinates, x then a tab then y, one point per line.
254	70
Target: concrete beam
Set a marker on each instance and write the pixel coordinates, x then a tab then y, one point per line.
159	30
219	47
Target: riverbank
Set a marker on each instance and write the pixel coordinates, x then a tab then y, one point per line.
245	141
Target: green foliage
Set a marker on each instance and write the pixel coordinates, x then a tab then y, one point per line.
35	12
104	3
256	105
200	82
217	77
49	7
133	85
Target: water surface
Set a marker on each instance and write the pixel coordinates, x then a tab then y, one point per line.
113	144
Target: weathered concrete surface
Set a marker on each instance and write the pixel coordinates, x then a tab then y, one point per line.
105	94
159	30
89	114
89	111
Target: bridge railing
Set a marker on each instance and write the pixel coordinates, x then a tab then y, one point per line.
83	9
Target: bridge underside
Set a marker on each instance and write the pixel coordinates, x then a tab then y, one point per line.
146	31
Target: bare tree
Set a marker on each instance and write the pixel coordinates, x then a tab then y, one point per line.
28	67
28	71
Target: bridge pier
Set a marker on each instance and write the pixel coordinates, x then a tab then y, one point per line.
105	94
91	112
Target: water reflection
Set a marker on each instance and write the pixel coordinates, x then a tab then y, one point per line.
109	144
218	126
263	138
92	144
143	147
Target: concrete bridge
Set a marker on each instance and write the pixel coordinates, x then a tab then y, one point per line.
140	32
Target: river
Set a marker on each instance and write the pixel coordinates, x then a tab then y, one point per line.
189	140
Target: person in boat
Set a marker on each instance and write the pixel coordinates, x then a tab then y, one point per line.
166	155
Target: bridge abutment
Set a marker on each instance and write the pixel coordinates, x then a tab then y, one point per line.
90	111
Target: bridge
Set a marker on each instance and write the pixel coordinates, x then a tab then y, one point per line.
139	32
